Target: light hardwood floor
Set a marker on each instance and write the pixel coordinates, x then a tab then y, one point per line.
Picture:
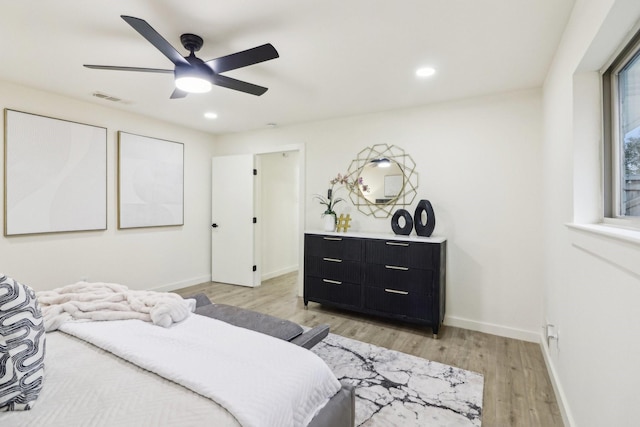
517	389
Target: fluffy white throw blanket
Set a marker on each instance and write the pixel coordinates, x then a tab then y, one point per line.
261	380
111	301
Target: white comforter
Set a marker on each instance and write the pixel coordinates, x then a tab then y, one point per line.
262	381
111	301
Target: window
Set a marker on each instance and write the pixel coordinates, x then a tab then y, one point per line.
621	89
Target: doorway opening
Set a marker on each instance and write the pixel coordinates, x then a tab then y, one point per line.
278	208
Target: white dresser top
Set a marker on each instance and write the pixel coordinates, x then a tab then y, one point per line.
379	235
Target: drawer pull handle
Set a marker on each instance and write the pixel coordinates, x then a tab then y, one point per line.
396	244
332	238
393	291
332	259
395	267
333	282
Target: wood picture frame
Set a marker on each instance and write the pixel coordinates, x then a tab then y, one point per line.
55	175
150	182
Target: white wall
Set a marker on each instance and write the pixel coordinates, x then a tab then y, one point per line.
279	216
592	282
479	164
151	258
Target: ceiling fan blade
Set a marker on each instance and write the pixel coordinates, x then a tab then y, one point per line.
147	31
178	94
144	70
230	83
243	58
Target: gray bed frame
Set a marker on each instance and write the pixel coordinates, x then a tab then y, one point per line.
340	410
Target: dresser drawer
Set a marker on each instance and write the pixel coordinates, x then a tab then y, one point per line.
412	280
402	254
341	248
335	291
333	268
414	305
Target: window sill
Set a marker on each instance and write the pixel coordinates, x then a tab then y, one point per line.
618	233
616	246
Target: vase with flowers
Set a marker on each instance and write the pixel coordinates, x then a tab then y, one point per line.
331	201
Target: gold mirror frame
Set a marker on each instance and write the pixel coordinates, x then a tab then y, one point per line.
408	190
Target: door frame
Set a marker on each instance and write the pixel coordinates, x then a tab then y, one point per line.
300	148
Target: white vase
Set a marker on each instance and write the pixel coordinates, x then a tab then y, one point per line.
329	222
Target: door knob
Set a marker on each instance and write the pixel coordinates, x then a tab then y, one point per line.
214	225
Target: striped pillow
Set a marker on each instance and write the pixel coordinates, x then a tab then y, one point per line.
22	346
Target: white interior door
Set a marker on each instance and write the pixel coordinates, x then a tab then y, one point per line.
232	212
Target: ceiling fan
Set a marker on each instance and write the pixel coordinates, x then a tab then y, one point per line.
193	75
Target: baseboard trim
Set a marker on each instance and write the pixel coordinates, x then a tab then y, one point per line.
561	398
182	284
280	272
490	328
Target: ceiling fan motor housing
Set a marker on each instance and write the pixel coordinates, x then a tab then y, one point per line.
195	68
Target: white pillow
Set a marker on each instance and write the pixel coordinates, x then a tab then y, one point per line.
22	346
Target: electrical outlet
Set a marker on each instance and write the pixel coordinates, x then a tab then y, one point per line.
552	333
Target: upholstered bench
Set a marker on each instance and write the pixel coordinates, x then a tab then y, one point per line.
263	323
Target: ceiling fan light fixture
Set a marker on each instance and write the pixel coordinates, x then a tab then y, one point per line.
381	162
193	84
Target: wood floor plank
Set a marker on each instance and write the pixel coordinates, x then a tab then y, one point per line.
539	388
517	389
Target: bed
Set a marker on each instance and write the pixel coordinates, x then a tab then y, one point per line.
87	385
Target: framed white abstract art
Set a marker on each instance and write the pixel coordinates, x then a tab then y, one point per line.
150	182
55	175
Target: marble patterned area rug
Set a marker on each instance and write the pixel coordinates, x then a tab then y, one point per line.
398	389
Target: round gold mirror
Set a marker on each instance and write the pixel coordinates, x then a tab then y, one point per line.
386	178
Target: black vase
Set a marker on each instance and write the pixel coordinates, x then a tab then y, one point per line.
427	228
408	222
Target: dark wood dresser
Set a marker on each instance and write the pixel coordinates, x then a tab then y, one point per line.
399	277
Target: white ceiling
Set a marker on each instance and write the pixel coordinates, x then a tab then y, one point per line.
337	57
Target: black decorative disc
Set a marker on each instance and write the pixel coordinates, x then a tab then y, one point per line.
427	228
408	222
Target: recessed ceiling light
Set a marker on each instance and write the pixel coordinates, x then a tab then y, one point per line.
425	72
211	115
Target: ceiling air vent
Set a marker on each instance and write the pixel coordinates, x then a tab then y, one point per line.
109	97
